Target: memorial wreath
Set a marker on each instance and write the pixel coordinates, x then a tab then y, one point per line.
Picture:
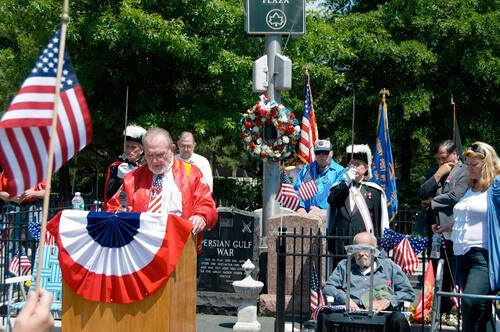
253	125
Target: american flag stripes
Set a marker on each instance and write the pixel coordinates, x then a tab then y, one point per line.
405	257
309	128
25	127
308	188
317	298
287	195
156	200
20	264
456	300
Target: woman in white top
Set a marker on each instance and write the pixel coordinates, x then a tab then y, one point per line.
470	236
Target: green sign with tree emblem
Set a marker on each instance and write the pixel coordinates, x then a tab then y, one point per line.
275	17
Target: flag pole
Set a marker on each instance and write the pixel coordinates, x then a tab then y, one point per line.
453	105
126	119
353	117
46	197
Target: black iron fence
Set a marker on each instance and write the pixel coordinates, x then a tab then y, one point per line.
302	254
19	234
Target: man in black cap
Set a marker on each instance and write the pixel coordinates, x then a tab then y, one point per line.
132	158
356	204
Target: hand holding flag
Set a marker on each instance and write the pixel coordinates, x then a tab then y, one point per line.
308	188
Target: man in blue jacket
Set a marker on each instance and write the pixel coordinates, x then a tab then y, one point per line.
324	172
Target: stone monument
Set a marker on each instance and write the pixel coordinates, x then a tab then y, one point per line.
314	221
226	247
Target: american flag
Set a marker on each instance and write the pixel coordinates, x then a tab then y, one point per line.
309	128
156	200
405	257
317	298
20	264
25	127
456	300
308	187
287	195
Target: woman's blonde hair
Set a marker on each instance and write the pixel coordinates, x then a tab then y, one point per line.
491	164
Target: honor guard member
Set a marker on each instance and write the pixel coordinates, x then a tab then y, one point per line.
324	172
356	204
132	158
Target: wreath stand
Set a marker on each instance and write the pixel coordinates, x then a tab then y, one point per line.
171	309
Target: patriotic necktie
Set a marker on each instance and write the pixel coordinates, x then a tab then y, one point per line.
156	200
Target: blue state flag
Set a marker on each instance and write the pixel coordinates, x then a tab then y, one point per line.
383	163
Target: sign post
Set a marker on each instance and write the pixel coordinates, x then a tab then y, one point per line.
273	19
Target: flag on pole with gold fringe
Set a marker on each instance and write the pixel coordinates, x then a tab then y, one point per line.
383	164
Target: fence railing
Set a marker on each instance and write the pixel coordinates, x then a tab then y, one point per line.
19	234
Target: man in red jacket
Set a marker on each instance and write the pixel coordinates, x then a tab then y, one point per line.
167	185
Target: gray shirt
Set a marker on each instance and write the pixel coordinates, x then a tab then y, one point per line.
386	273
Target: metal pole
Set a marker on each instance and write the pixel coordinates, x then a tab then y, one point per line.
271	170
280	281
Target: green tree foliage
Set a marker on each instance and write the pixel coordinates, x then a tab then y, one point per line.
187	64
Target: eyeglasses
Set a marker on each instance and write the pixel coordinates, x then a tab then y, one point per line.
478	149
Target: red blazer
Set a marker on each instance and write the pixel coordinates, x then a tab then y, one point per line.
196	196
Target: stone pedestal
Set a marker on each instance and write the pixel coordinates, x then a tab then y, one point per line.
249	289
298	271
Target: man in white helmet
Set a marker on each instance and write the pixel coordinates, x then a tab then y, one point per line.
356	204
132	157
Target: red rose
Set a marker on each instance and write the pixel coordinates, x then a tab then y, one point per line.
289	123
278	147
251	146
263	155
277	159
274	113
262	112
255	136
269	120
292	116
248	125
271	144
258	123
294	142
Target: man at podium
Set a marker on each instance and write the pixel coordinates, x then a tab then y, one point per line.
167	185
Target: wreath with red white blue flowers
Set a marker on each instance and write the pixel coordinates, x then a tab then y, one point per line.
252	125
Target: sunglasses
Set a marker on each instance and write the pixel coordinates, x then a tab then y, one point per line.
321	152
478	149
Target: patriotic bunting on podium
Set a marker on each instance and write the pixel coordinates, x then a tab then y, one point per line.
119	258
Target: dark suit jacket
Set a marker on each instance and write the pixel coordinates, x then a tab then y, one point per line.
445	193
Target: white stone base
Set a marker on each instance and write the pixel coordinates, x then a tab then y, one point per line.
247	327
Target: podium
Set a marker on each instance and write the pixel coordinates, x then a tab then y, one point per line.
170	309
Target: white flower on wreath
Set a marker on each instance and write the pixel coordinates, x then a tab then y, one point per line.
297	129
286	139
277	154
259	141
264	148
255	129
257	149
271	153
248	139
283	117
287	154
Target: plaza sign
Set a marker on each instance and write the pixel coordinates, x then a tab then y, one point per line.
275	17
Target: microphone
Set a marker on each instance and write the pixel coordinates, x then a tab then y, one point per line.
123	198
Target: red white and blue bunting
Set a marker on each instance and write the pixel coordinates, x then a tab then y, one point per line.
119	258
